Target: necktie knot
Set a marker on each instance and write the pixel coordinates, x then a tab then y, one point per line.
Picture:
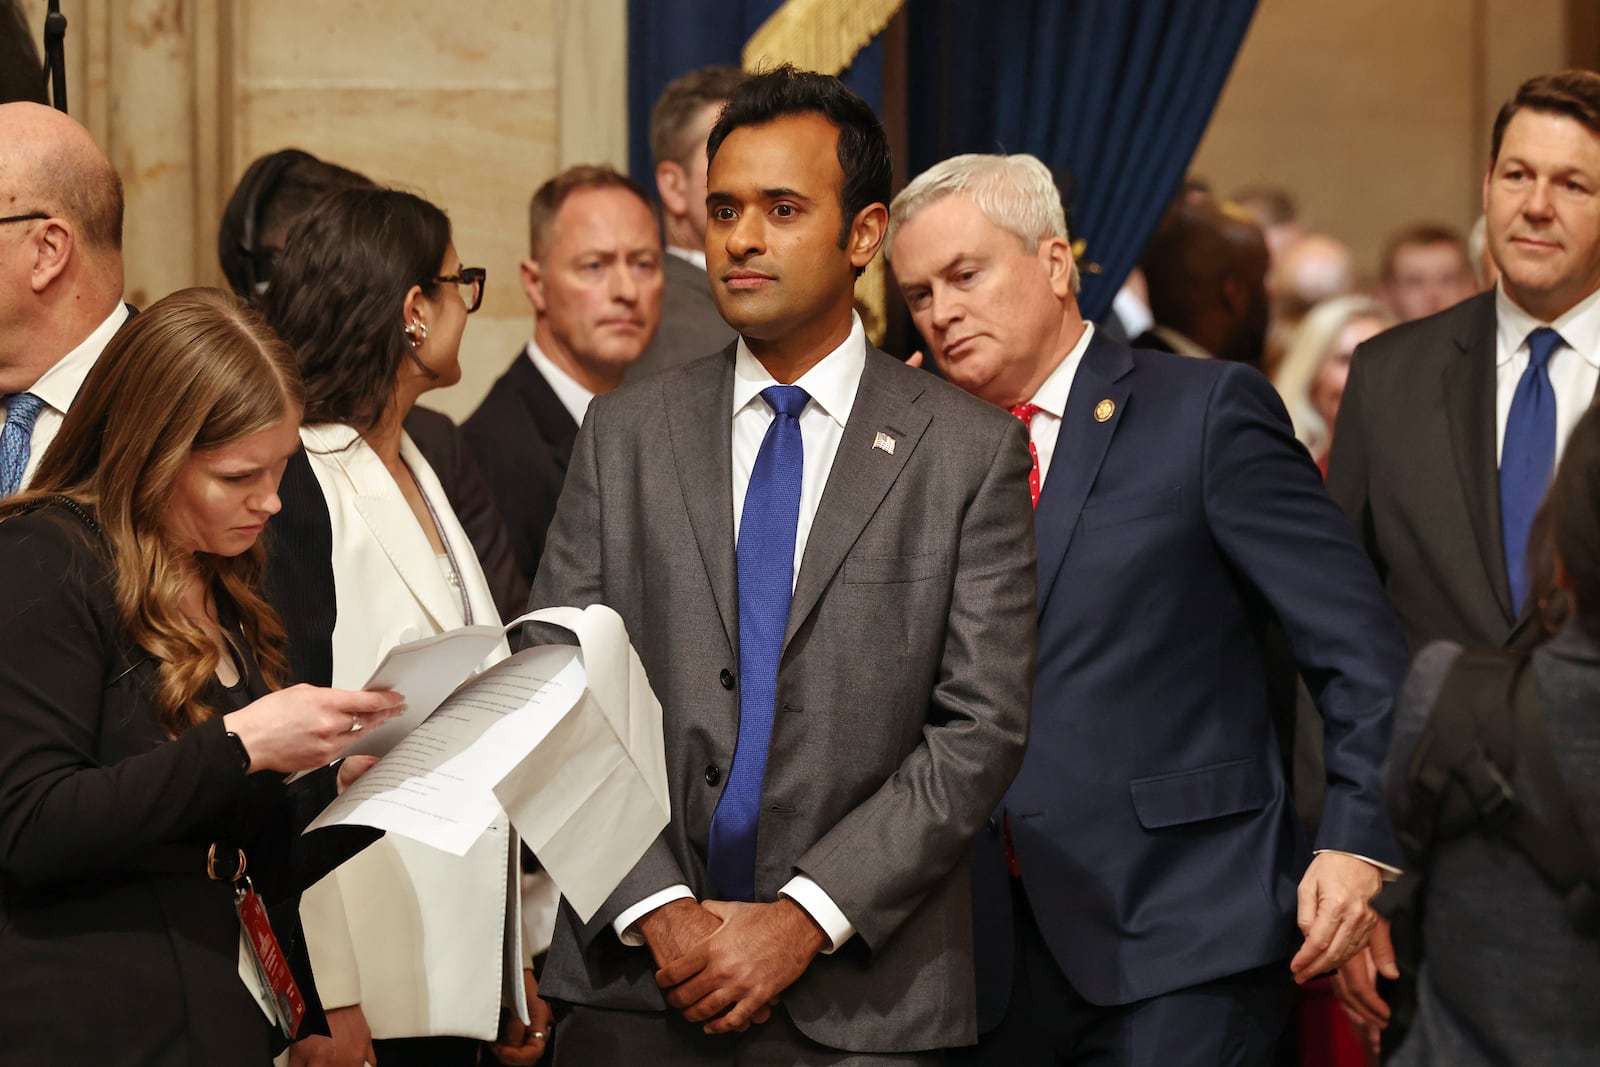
787	400
23	407
1026	412
1542	344
16	439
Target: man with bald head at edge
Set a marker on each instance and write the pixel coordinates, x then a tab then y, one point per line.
60	275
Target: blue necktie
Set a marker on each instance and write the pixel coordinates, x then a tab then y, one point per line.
1527	457
16	440
766	585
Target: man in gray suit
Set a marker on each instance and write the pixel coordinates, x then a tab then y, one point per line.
826	561
679	126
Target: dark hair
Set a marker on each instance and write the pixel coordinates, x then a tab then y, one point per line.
1419	235
1573	93
863	148
274	190
548	198
1571	515
338	295
680	102
21	73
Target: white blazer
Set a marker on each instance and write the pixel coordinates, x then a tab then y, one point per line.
418	937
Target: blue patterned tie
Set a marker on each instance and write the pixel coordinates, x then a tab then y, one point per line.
16	440
1527	457
766	585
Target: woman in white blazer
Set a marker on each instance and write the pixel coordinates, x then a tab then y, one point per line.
414	949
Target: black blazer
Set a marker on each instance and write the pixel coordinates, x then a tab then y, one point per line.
114	944
1413	466
522	437
441	443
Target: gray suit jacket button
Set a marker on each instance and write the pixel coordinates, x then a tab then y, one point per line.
713	773
726	678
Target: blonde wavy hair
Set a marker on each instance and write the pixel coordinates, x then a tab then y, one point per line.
196	371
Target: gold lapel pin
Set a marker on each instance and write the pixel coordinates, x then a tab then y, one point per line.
1104	410
884	442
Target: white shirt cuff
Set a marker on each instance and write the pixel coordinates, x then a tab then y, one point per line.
817	904
1389	873
624	923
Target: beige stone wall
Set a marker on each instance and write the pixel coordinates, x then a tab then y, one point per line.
470	105
1375	113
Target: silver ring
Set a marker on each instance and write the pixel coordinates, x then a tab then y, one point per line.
355	724
538	1035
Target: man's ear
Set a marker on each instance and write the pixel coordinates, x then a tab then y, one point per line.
1233	295
53	247
533	284
866	234
1055	254
672	186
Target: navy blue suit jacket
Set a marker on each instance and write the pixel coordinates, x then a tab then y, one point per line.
1152	821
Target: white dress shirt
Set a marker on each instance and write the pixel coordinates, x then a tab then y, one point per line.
1574	368
1051	400
573	396
832	385
694	256
58	387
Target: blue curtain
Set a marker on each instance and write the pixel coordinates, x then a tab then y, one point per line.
1118	91
669	38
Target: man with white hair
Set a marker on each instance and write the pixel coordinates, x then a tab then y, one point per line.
60	275
1157	870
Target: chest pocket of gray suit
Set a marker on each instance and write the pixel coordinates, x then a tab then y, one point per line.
1113	511
881	570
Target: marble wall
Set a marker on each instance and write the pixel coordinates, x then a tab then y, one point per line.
470	105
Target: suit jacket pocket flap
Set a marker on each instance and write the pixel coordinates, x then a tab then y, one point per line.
1204	793
876	569
1119	509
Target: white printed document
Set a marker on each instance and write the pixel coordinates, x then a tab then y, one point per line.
566	739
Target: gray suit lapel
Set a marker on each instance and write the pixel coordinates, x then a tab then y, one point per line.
699	415
861	476
1469	404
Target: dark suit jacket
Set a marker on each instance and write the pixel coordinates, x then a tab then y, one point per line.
1414	467
444	446
114	945
522	437
1151	818
691	325
903	683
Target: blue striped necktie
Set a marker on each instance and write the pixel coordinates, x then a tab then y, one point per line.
16	440
766	585
1527	457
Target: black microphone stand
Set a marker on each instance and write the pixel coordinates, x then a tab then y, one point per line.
55	54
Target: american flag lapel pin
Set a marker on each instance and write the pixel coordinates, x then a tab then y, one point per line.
883	441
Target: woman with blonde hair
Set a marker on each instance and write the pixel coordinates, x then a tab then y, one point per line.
1312	374
145	753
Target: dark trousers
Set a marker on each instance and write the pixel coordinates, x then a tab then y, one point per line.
1230	1022
595	1037
427	1052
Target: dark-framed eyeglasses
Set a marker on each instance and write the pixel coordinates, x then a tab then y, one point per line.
29	217
470	281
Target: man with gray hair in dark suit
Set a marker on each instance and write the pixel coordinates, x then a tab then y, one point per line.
826	561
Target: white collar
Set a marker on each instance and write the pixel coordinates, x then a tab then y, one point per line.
1054	390
1181	344
831	383
572	394
59	385
1579	326
693	256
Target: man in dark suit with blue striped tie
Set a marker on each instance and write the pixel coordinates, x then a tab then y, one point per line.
826	561
1451	425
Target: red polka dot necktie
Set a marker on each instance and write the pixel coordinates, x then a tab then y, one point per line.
1026	412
